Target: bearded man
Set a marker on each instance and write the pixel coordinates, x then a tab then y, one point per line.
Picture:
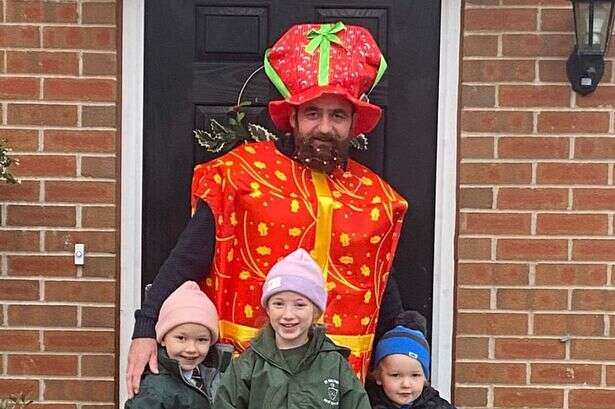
261	201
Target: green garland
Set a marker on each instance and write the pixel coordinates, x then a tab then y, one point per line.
5	162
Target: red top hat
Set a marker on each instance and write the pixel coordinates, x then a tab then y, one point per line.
315	59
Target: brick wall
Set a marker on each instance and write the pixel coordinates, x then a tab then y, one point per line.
58	96
535	324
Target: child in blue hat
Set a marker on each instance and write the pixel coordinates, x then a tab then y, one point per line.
400	379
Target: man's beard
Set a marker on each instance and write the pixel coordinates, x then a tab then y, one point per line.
321	152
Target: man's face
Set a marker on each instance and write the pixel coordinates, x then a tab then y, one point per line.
323	130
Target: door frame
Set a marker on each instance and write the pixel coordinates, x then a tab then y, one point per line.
133	40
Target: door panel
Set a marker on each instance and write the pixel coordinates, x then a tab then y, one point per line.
199	53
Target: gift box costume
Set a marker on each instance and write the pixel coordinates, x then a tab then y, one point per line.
267	205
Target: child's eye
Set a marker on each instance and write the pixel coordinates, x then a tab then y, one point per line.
180	337
203	339
394	375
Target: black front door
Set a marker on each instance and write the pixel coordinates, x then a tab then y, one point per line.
199	53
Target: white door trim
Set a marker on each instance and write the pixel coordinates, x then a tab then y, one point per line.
446	168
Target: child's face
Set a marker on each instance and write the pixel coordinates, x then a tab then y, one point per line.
188	344
401	378
291	316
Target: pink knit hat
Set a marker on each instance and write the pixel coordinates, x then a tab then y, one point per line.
187	305
297	272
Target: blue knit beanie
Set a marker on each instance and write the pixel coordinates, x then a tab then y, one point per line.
404	341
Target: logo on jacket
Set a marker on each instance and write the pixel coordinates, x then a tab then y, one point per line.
333	392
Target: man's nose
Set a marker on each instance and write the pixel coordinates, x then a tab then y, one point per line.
325	126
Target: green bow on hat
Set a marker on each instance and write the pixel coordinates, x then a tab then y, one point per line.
322	39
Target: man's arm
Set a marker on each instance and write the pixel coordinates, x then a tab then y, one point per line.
190	259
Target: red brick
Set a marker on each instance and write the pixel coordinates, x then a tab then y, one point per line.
479	249
537	45
556	20
99	64
475	198
20	139
41	12
534	96
80	192
467	397
16	386
95	241
591	399
498	121
498	70
98	365
603	300
53	406
14	240
532	199
494	223
42	62
593	250
46	165
593	199
492	373
98	317
62	365
573	122
610	375
602	97
491	324
476	148
50	115
531	299
90	391
532	249
492	274
495	173
26	191
491	19
568	324
101	267
22	290
471	348
94	38
480	45
478	96
79	341
79	141
98	167
473	298
593	349
68	89
98	217
594	148
49	266
532	148
526	349
40	216
13	340
528	397
572	224
80	291
103	116
572	173
19	36
552	71
42	316
571	274
19	88
99	13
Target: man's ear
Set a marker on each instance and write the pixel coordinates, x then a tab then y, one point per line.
292	118
355	118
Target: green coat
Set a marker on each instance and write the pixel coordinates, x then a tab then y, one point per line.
261	379
169	390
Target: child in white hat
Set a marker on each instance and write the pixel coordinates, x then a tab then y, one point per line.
292	363
186	330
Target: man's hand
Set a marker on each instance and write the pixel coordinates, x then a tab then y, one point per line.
143	351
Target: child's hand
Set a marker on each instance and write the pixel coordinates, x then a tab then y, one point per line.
143	351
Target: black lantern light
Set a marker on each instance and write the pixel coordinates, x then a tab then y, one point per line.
593	22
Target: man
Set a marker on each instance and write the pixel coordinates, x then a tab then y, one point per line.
261	201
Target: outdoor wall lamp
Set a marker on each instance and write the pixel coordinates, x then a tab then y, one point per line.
593	24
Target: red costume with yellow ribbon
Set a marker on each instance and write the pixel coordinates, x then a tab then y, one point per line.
266	205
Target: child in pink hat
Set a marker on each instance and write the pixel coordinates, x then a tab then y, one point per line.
292	363
186	330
